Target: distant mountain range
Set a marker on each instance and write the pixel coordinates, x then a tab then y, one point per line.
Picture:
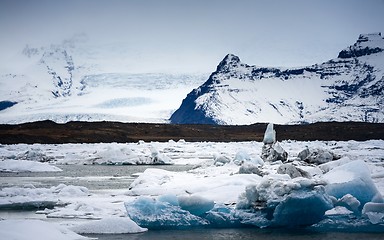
75	80
347	88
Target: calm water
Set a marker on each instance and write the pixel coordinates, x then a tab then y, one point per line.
97	177
244	233
94	177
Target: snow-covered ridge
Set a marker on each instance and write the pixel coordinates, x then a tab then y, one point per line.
347	88
366	44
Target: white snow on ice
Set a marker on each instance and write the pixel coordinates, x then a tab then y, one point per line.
208	182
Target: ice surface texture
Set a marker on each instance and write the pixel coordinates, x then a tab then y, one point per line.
298	203
35	229
352	178
111	225
156	214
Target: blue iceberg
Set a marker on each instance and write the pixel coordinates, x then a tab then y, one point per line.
353	178
344	198
159	214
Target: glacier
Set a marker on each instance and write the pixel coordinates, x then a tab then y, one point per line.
74	80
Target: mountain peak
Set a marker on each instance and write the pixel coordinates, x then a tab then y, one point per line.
229	62
349	88
370	37
366	44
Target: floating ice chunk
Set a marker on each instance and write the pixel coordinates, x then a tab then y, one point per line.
223	216
284	202
316	156
74	210
116	154
374	212
221	160
26	166
35	229
243	157
112	225
250	168
150	182
292	171
169	198
37	198
269	135
338	210
71	191
159	158
326	167
350	202
196	205
301	208
153	214
353	178
36	155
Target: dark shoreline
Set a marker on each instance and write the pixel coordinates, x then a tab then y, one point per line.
95	132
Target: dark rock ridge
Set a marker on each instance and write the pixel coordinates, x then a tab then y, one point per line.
347	88
361	47
58	62
6	104
49	132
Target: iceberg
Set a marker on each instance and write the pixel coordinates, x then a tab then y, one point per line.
374	212
195	204
269	135
154	214
275	201
110	225
26	166
23	198
302	208
353	178
280	201
158	158
35	229
242	157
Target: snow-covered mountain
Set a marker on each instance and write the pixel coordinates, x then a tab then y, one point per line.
347	88
81	80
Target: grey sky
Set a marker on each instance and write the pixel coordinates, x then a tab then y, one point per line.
197	32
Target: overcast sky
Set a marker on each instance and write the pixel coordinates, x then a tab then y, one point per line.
195	35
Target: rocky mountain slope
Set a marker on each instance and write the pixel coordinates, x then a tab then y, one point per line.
347	88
